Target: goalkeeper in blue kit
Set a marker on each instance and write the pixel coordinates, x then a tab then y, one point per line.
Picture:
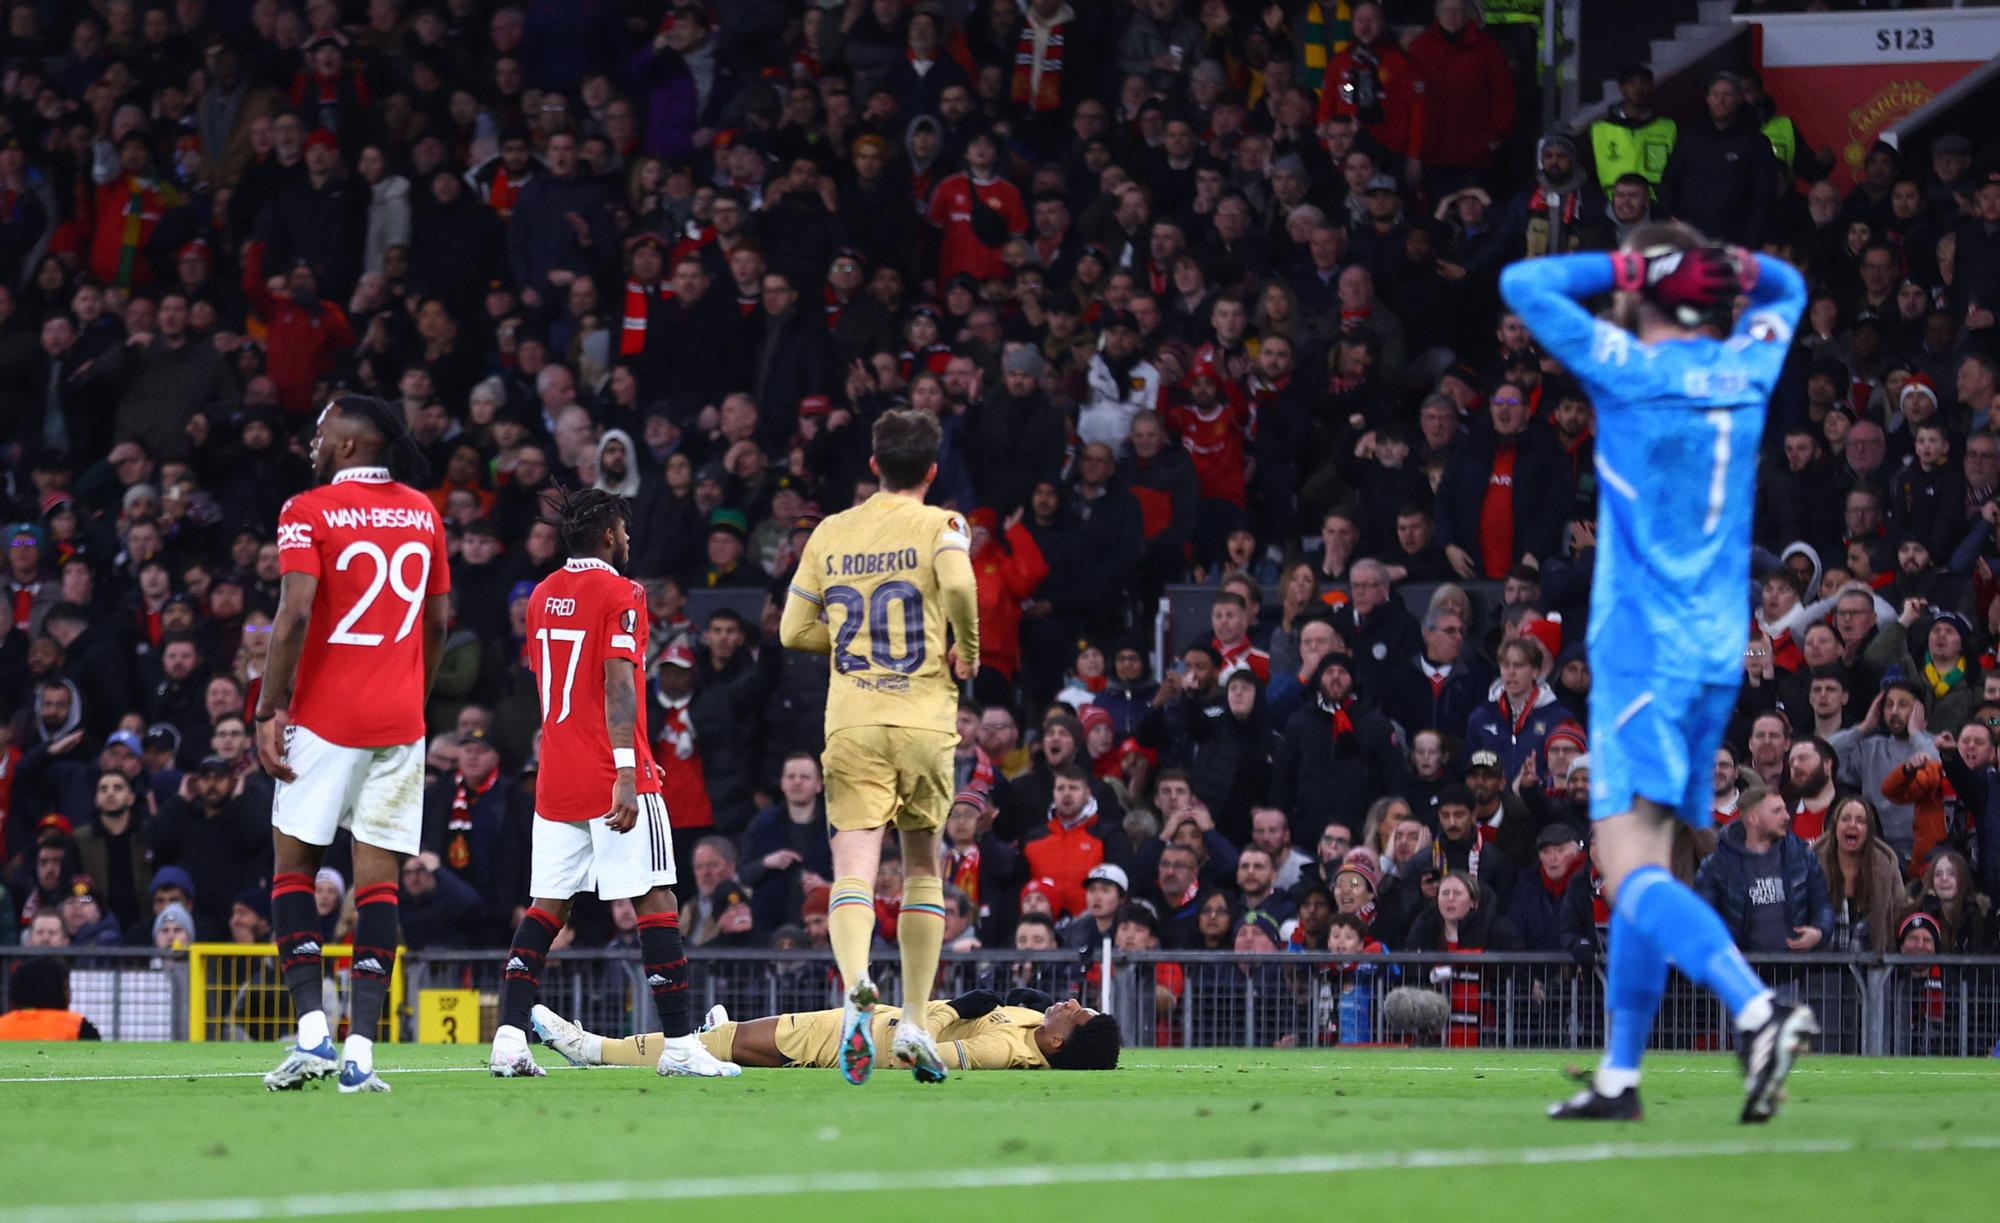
1680	398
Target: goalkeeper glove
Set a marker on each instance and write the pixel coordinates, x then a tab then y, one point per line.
1701	279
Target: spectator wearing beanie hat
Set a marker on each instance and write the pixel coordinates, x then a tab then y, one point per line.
1562	747
812	914
1100	742
981	865
1039	898
1335	753
1354	887
1014	435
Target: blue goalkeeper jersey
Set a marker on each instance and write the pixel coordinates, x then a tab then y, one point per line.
1679	425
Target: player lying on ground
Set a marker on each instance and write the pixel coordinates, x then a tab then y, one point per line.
876	588
1681	410
362	608
975	1031
599	819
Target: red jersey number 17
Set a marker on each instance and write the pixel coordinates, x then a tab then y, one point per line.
573	638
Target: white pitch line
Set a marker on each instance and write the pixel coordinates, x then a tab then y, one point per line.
1807	1071
495	1197
258	1074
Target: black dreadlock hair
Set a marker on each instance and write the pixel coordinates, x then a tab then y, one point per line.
583	512
400	452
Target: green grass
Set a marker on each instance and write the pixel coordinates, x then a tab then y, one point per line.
1859	1139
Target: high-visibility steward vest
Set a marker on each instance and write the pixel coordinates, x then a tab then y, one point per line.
1620	150
40	1025
1784	138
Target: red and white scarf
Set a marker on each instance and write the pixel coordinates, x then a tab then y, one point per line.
676	731
1037	82
638	301
458	850
962	871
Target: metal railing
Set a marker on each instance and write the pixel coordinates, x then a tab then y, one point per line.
1867	1004
127	993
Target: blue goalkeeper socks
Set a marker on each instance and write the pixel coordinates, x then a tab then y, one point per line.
1637	976
1682	928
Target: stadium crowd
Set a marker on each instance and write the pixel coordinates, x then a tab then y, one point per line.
1203	292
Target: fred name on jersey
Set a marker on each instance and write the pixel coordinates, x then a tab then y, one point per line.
868	564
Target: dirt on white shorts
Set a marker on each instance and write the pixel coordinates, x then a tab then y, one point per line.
375	792
585	855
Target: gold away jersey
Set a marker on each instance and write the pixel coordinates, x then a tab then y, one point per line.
1001	1039
890	575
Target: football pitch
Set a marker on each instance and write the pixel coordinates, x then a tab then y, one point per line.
131	1133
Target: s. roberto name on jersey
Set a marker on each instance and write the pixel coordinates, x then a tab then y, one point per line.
869	564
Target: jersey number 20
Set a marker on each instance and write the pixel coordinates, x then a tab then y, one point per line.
878	610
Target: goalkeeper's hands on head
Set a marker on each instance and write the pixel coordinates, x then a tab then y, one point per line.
1701	279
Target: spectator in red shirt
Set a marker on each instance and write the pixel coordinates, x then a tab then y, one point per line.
1009	567
1468	99
302	334
1375	83
1213	421
1504	492
978	211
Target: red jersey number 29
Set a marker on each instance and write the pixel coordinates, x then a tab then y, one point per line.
388	572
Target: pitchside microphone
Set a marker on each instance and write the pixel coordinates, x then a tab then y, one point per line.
1415	1009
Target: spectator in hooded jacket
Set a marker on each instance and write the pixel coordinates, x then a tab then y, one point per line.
687	88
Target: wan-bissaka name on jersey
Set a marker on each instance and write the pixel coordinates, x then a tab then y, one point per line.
873	569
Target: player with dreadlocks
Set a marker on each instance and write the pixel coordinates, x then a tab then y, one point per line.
362	608
599	817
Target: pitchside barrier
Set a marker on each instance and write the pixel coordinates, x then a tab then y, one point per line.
1867	1004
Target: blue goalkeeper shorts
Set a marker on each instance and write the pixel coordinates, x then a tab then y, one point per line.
1655	738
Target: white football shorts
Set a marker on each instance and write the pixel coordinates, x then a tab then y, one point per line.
376	792
577	857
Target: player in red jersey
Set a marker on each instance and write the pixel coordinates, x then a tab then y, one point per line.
340	717
599	819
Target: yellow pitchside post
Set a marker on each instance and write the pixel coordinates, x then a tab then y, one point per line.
236	993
